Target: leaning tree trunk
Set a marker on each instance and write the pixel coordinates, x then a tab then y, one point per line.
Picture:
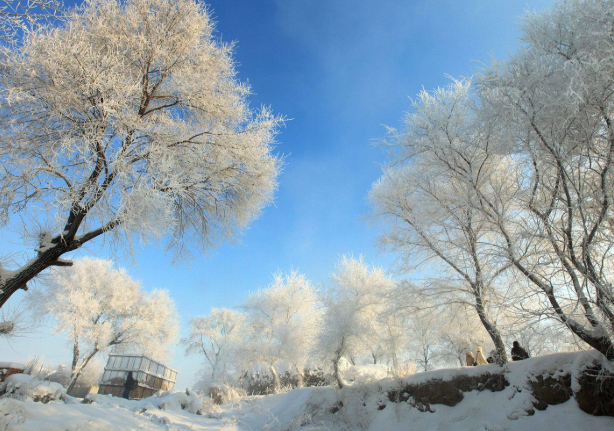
492	330
76	372
50	252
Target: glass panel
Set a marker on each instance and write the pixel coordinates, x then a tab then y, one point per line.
137	362
131	363
124	364
116	361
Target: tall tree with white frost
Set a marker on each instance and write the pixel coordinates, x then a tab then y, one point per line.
282	323
428	198
552	103
217	337
129	120
99	308
352	303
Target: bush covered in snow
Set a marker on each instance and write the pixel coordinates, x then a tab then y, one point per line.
30	388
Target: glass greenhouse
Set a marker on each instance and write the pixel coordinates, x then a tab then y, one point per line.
151	376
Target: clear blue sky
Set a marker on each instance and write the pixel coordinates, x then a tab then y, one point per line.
340	70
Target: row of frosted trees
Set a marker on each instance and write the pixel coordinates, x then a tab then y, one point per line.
360	316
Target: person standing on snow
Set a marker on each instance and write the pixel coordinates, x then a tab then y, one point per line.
470	359
479	357
131	384
518	353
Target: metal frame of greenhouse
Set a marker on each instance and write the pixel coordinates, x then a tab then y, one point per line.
150	375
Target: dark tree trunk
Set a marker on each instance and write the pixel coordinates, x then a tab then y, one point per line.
492	330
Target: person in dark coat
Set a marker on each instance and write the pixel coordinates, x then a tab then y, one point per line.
518	353
131	384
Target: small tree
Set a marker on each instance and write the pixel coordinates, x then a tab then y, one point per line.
99	308
216	337
352	304
282	321
128	119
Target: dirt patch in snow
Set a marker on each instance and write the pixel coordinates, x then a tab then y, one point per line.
596	394
446	392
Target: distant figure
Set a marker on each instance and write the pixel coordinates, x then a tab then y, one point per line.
131	384
470	359
490	360
518	353
479	357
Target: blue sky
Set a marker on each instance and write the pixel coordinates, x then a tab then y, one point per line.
340	70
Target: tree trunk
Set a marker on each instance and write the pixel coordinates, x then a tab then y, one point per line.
15	280
301	376
492	330
48	255
276	383
77	371
338	355
75	356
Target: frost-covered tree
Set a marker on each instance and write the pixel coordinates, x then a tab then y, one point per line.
216	337
552	104
352	303
428	197
98	308
424	337
20	17
282	322
128	119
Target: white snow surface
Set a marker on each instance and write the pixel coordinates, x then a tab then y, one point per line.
12	365
29	388
311	409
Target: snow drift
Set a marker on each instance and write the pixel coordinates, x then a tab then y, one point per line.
553	392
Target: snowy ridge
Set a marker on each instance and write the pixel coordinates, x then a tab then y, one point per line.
357	407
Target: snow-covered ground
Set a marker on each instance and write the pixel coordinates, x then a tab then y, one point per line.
360	407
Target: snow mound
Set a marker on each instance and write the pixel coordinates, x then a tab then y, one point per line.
365	373
164	400
29	388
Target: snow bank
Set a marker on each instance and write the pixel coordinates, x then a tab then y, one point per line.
30	388
507	402
164	400
361	374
